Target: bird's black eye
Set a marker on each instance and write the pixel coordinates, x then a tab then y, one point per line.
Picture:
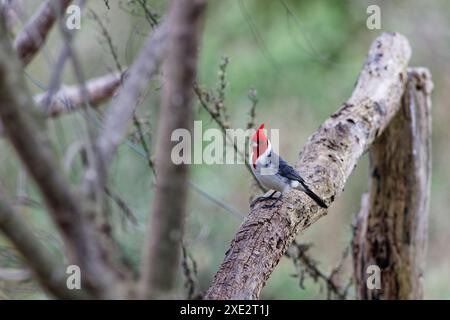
270	154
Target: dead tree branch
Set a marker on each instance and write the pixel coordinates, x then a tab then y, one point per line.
391	228
326	162
162	251
70	99
33	36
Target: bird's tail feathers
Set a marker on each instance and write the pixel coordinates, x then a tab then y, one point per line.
313	196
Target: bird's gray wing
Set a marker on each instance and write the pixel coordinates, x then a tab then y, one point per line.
285	170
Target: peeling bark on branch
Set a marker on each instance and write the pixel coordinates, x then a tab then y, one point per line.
70	98
391	228
326	162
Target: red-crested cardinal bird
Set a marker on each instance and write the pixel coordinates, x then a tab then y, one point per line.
273	172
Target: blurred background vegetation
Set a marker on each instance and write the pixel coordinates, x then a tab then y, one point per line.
303	58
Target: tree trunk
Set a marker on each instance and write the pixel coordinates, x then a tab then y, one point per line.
391	228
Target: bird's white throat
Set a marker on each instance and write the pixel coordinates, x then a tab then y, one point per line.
264	157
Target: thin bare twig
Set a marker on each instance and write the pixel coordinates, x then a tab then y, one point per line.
123	206
204	98
189	266
151	17
122	109
304	264
136	121
143	142
109	41
253	96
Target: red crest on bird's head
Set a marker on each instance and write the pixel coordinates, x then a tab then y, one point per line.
260	143
259	136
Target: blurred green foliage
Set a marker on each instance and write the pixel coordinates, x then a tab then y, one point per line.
303	58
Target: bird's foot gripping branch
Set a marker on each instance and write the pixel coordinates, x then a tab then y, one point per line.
326	162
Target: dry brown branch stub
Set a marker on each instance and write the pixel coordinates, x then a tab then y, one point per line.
391	228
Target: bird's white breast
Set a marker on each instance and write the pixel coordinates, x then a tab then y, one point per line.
266	173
